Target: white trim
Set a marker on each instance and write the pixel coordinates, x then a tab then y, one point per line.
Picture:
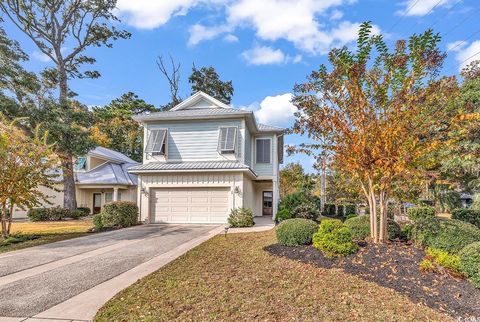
198	95
271	148
243	143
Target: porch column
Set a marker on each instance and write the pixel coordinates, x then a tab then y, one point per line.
275	198
115	194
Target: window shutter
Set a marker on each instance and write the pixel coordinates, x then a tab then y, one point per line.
156	140
227	139
263	150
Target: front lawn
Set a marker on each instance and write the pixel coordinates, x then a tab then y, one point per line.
235	278
28	234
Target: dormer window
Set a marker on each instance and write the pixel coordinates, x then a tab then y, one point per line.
81	164
156	143
227	139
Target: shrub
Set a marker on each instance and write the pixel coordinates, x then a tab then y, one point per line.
57	213
467	215
350	216
17	238
449	235
334	239
241	217
37	214
75	214
283	215
329	210
97	221
85	210
444	259
406	232
360	227
418	214
297	231
291	201
306	211
119	214
426	265
470	263
350	210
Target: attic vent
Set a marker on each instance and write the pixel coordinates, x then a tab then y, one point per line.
227	139
156	142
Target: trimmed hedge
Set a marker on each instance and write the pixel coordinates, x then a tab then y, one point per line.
360	227
53	214
117	214
418	214
467	215
241	217
470	263
449	235
85	210
334	239
295	232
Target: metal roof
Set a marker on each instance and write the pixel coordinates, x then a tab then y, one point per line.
196	165
108	173
265	127
110	155
192	113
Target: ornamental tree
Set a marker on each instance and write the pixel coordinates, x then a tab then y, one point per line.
26	164
383	112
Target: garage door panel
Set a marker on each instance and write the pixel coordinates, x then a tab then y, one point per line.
190	205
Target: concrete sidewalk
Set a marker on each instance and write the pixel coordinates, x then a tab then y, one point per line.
79	284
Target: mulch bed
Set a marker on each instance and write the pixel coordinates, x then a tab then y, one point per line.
396	266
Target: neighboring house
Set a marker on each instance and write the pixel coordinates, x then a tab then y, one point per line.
100	177
203	158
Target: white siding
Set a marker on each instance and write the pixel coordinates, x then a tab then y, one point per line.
196	140
248	147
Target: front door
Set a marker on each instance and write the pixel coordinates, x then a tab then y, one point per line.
267	203
97	203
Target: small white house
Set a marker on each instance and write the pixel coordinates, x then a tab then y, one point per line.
100	177
203	158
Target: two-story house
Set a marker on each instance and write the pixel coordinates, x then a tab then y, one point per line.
203	158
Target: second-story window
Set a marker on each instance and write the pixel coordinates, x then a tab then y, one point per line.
263	148
156	142
227	139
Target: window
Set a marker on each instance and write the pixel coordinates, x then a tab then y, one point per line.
156	143
108	197
119	195
227	139
263	150
80	164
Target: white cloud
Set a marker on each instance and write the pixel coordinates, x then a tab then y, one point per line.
336	14
149	14
199	33
41	57
468	54
263	55
230	38
274	110
456	45
423	7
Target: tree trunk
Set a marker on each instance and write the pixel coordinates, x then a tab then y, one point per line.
69	196
373	212
4	221
10	218
383	218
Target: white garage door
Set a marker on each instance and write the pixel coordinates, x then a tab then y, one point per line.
190	205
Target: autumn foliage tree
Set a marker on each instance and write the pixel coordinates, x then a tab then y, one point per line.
26	163
383	111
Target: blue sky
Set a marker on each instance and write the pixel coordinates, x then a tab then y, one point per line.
263	46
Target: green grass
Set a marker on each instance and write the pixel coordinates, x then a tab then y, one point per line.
28	234
234	278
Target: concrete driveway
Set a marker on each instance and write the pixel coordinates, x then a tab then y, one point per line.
71	279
